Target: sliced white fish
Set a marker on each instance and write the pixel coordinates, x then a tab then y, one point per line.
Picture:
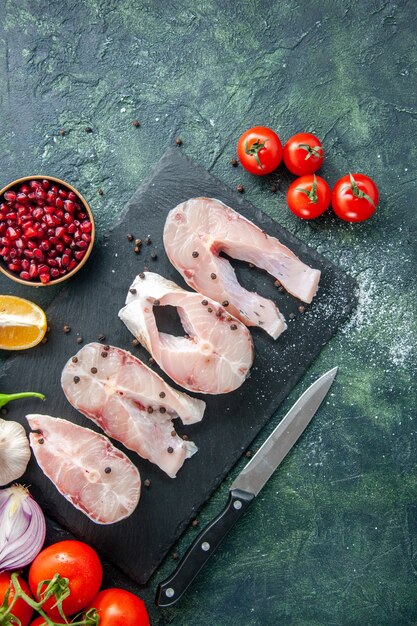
215	355
86	468
195	233
131	403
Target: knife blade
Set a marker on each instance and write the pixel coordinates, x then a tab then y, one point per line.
245	488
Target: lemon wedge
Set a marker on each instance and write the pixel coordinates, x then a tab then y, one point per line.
22	323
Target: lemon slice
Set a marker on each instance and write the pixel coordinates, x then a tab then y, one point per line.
22	323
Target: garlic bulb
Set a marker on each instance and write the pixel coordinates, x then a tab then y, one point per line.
14	451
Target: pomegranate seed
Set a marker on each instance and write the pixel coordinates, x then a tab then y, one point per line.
10	196
77	223
60	247
6	241
11	215
21	210
60	214
30	231
25	265
73	264
48	219
12	233
33	270
59	203
63	271
51	197
55	219
72	196
31	245
67	239
43	269
22	198
38	213
40	194
63	193
50	232
19	243
53	240
28	254
59	262
54	188
69	206
2	216
44	278
24	189
43	228
3	227
50	209
65	260
60	231
13	253
45	245
82	215
34	184
14	267
86	237
79	254
68	218
24	275
52	262
46	184
72	228
53	254
55	272
4	251
31	195
38	254
86	227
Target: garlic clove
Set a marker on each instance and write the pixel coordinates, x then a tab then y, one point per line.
14	451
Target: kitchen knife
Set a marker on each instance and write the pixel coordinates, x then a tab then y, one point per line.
245	488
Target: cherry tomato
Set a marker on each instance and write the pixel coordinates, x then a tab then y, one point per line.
74	560
308	196
355	197
21	610
259	150
118	607
303	154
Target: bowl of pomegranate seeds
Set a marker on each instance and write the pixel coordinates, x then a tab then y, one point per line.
46	231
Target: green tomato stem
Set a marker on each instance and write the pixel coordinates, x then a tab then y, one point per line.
5	398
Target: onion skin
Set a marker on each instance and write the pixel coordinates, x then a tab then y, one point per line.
22	528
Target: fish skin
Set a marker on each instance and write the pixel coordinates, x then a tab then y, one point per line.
207	227
105	498
117	398
216	355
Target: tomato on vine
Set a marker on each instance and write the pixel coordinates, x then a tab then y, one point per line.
118	607
259	150
355	197
308	196
303	154
21	610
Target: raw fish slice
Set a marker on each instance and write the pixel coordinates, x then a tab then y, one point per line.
214	357
131	403
195	233
86	468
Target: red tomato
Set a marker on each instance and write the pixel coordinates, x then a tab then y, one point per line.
303	154
39	621
21	610
73	560
118	607
259	150
308	196
355	197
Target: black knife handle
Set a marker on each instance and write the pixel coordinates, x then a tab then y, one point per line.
170	590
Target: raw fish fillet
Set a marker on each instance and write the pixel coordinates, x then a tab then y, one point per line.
131	403
216	354
86	468
195	233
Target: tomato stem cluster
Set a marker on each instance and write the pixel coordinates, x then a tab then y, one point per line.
58	587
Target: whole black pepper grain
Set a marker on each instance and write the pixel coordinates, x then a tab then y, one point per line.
135	342
149	409
162	394
74	359
76	379
204	302
225	303
154	256
251	265
240	188
194	523
170	450
162	409
178	141
185	437
107	470
4	411
41	440
136	250
213	276
218	313
133	291
138	242
80	339
106	348
88	129
156	302
62	132
209	309
291	316
148	241
281	289
104	354
277	283
175	556
274	188
301	309
94	370
173	433
142	275
44	340
136	123
100	192
151	360
233	327
233	162
101	337
229	318
248	454
130	237
195	254
147	482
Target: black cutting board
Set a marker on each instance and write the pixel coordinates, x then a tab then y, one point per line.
90	303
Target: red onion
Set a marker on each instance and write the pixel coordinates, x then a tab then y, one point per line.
22	528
